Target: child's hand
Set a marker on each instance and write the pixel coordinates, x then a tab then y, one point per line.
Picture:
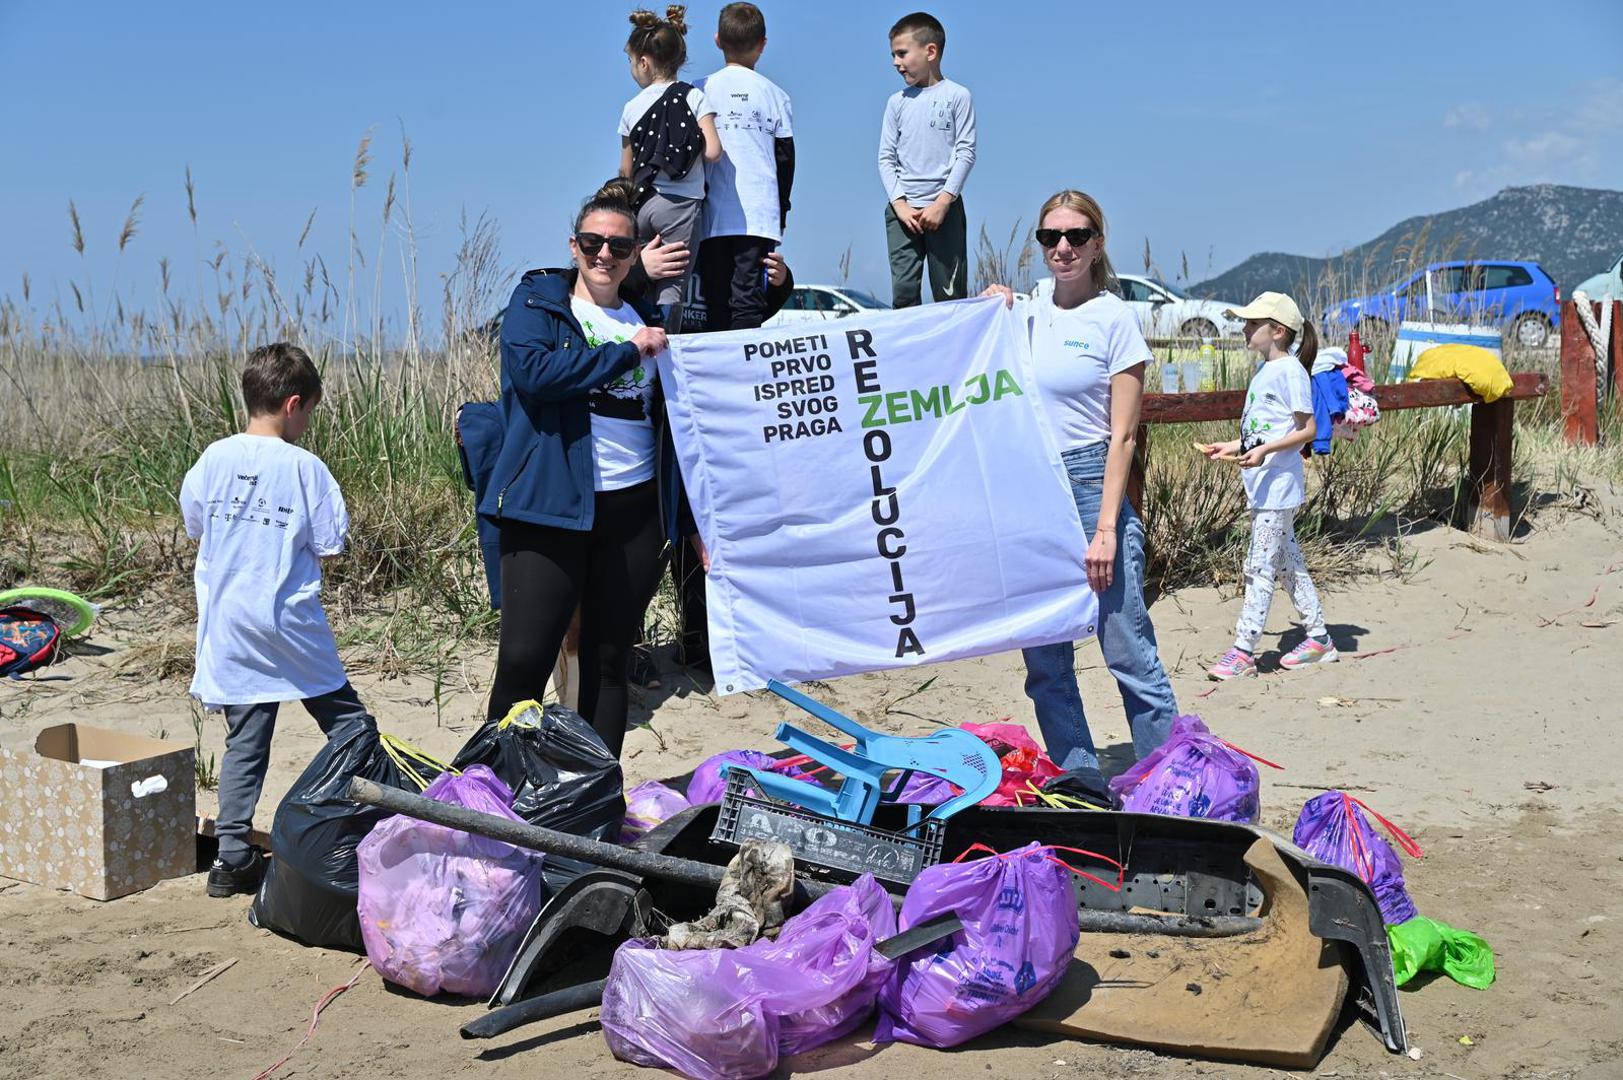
931	217
661	260
1223	451
650	341
777	271
1003	291
1253	457
908	216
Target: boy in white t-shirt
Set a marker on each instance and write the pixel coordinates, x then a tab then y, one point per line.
264	513
747	207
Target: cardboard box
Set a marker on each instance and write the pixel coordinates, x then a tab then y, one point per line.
98	812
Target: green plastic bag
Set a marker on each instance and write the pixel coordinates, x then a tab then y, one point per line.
1423	944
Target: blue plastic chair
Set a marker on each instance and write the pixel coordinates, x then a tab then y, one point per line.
951	754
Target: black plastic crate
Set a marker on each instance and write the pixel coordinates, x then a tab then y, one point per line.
824	847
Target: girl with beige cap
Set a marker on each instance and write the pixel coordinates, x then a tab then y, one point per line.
1276	424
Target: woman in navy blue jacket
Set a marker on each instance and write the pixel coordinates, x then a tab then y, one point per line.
580	490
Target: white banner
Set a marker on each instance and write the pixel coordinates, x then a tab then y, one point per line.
875	492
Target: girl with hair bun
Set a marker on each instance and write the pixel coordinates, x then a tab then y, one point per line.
667	134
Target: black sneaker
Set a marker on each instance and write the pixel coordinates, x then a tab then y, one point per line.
230	880
1085	784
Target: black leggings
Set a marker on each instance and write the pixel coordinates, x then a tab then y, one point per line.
610	572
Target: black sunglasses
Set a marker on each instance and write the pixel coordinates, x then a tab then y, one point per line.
590	243
1050	237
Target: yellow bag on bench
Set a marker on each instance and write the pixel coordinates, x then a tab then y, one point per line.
1476	367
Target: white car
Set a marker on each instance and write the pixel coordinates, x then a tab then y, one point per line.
819	303
1606	285
1165	312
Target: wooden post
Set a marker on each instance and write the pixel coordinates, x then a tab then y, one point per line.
1135	475
1491	446
1617	356
1579	413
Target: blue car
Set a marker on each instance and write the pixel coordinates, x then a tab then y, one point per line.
1518	296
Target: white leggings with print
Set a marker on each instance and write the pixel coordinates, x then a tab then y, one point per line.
1273	549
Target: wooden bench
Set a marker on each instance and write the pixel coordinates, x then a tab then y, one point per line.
1491	433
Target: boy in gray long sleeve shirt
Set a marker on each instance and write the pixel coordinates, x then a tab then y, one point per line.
926	149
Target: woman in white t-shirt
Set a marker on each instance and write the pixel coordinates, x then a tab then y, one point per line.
582	498
1275	428
1090	355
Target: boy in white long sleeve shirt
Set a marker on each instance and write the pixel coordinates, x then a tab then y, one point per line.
926	149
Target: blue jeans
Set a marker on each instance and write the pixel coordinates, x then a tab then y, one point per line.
1126	639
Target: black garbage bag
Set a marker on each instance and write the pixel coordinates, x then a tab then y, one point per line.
562	776
310	887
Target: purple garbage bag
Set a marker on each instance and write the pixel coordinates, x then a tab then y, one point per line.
1333	829
1193	774
1020	930
927	790
648	804
730	1014
708	783
835	933
442	910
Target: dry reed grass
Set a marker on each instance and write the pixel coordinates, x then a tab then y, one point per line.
105	406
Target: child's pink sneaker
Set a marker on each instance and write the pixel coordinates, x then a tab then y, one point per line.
1235	662
1310	652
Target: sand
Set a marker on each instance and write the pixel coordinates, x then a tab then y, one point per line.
1476	706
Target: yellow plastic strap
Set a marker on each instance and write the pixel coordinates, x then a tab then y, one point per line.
1057	801
403	753
517	711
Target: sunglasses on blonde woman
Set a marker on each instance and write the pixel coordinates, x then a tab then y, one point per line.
590	244
1050	237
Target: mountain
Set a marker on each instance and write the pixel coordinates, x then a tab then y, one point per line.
1572	232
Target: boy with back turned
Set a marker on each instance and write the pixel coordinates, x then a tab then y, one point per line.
926	149
265	513
747	207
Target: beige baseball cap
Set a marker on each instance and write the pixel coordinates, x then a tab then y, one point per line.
1271	305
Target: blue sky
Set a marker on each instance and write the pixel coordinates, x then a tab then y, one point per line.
1212	130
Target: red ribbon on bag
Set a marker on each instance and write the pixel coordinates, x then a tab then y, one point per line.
1121	871
1252	756
1405	841
1361	853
